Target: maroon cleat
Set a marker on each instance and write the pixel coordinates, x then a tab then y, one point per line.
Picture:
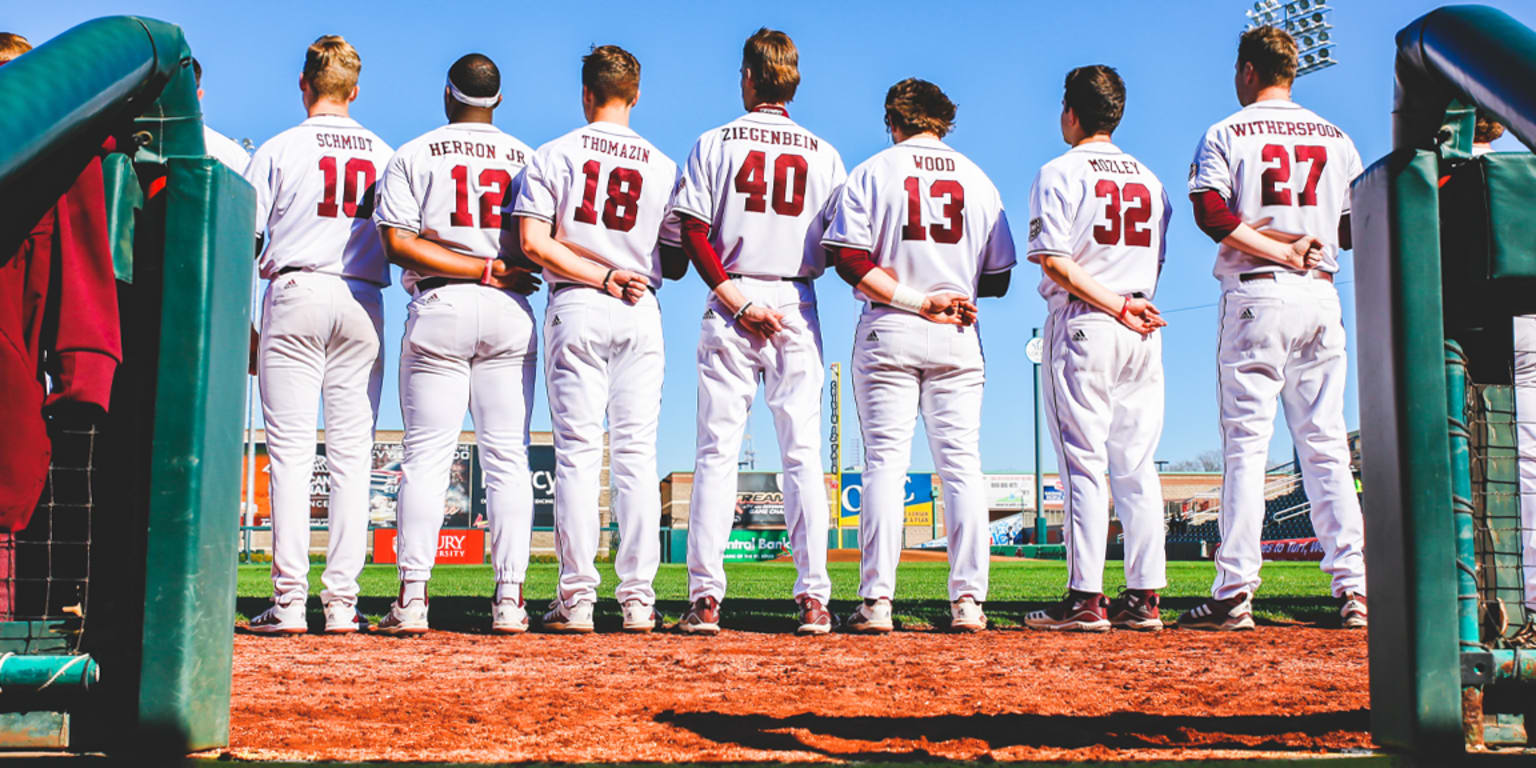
1077	612
815	619
1136	609
703	618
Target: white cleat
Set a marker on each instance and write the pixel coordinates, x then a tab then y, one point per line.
404	620
280	619
639	617
965	615
509	617
572	620
343	618
872	617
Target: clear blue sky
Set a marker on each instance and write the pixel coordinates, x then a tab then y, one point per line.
1001	62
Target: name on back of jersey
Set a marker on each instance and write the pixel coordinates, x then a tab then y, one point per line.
933	162
343	141
1285	128
770	136
620	149
1126	167
475	149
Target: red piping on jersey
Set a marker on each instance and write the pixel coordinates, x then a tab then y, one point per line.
701	253
852	264
1212	215
771	109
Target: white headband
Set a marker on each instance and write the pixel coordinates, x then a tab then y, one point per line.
473	101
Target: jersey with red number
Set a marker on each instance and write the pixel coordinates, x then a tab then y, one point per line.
314	199
1103	209
455	186
763	184
1281	169
606	190
927	214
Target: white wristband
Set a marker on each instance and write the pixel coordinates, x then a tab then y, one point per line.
909	299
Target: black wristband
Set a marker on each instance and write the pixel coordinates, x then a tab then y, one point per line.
606	278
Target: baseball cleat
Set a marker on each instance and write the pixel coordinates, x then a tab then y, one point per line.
1235	614
1136	609
1077	612
815	619
965	615
872	617
639	617
572	620
343	618
404	620
280	619
703	618
509	616
1352	611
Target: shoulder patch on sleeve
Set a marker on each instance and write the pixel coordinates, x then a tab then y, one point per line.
1034	227
1193	169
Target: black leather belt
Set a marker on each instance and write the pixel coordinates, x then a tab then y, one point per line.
555	288
286	270
1075	297
432	283
771	278
1248	277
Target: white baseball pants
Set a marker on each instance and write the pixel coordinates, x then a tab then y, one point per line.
1525	415
1104	406
1284	338
903	365
466	345
321	336
604	356
731	361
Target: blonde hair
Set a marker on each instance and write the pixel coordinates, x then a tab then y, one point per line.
611	74
12	45
331	66
775	64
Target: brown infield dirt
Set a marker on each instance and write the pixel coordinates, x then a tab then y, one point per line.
744	696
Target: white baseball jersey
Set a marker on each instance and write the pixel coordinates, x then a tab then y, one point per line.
226	150
1104	210
314	199
762	183
453	185
1279	167
927	213
605	189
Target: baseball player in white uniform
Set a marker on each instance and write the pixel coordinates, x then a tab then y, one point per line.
592	206
321	328
1271	185
752	202
919	231
219	146
469	339
1099	219
1487	131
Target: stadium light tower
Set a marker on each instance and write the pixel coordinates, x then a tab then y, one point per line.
1307	21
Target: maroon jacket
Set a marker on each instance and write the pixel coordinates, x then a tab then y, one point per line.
58	319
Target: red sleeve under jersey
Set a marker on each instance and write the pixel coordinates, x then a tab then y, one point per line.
1212	215
852	264
701	253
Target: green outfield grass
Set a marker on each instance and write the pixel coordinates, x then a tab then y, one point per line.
759	594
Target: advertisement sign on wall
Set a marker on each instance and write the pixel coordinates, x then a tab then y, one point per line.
919	498
1014	492
751	546
459	510
464	546
541	474
759	501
